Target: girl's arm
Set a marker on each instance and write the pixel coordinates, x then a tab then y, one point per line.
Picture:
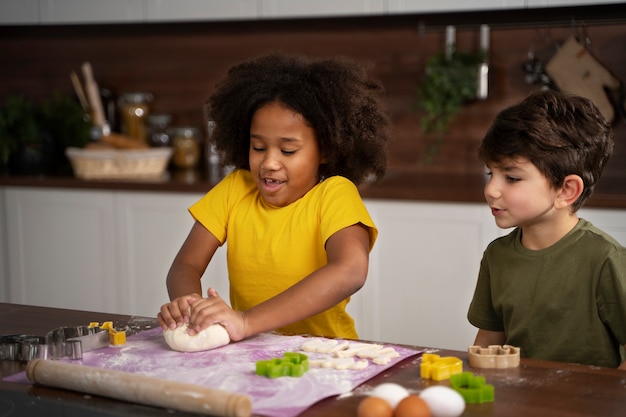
183	278
486	338
347	252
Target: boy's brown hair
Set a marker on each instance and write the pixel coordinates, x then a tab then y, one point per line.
560	134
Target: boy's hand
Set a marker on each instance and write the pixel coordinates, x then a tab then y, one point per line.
214	310
176	313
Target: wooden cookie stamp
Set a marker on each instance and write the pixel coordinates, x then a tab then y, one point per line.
494	356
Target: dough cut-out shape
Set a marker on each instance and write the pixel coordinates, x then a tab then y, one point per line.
385	358
354	348
377	353
210	338
339	363
494	356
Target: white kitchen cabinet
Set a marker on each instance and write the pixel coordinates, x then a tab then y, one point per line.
424	267
95	250
90	11
563	3
423	271
151	229
168	10
110	251
16	12
61	248
19	12
430	6
320	8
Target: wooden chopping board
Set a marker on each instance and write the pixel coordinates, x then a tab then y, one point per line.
575	71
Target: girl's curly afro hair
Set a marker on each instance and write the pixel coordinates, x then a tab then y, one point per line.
337	98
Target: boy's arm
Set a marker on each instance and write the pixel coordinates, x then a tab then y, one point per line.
486	338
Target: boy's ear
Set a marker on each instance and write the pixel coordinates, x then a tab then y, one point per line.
571	189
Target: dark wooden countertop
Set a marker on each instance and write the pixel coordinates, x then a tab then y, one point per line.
537	388
397	185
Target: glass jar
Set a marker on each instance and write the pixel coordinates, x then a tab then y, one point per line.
186	144
133	108
158	125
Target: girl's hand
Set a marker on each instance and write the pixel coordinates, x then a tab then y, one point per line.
214	310
176	313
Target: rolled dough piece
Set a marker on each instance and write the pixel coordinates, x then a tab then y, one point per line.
210	338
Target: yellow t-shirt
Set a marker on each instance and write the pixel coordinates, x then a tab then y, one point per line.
272	248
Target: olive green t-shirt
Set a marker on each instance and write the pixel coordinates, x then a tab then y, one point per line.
564	303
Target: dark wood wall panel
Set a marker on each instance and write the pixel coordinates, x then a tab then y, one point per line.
179	63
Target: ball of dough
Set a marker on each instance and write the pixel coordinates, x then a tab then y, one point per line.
209	338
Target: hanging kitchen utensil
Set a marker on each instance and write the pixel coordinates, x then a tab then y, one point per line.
482	90
575	71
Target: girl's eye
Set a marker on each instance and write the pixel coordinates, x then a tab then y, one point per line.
258	149
489	173
512	179
288	152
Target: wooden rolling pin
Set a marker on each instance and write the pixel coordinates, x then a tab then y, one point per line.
138	388
93	95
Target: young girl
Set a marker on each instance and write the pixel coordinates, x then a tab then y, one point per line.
301	133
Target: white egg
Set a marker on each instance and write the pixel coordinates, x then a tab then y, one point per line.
390	392
443	401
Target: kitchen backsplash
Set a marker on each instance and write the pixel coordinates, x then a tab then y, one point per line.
179	64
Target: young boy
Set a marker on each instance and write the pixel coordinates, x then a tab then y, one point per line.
556	285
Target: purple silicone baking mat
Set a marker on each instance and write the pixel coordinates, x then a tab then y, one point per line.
232	368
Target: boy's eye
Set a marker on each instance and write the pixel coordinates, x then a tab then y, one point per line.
512	179
285	152
258	148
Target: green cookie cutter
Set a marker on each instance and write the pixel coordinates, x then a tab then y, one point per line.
292	364
472	388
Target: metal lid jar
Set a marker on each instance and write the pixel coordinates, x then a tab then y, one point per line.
186	144
133	109
158	134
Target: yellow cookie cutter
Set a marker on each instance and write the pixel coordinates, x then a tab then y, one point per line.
116	337
494	356
439	368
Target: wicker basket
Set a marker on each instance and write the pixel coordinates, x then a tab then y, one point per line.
118	163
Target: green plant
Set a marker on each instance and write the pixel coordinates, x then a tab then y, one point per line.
18	126
33	137
449	82
64	119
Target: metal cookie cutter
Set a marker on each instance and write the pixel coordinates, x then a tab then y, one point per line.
18	346
63	342
73	341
